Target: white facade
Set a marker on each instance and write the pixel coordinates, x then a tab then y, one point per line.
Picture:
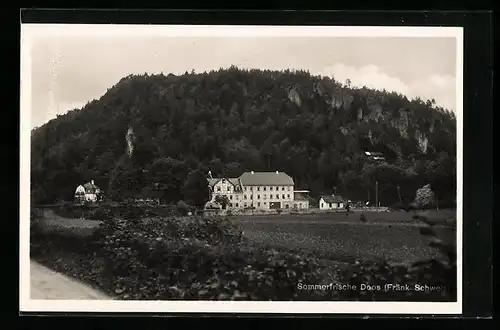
88	192
226	188
256	196
330	204
268	197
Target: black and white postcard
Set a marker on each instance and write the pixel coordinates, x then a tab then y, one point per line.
246	169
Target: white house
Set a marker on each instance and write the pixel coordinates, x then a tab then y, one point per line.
256	190
331	202
88	192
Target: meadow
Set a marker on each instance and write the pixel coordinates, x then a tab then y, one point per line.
393	236
145	256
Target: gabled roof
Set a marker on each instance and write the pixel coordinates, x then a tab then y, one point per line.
90	188
212	182
332	199
300	197
234	181
266	179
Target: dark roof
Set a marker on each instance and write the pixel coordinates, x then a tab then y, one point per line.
90	188
266	179
212	182
300	197
332	199
234	181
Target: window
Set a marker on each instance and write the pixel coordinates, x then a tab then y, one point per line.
264	188
322	205
218	188
258	188
258	196
251	196
245	204
277	188
330	204
236	197
251	188
288	196
258	204
265	196
277	196
270	188
265	203
289	188
287	206
236	204
231	197
283	196
245	188
229	189
282	188
230	204
245	196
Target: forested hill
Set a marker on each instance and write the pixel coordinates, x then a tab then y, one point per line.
156	128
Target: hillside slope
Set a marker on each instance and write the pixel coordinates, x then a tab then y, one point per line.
154	128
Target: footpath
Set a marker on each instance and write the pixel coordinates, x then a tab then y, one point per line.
47	284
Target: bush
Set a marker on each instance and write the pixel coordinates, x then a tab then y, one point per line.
100	213
208	259
182	208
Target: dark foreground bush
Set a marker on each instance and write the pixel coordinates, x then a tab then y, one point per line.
195	258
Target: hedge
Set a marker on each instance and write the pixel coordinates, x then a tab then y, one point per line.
208	259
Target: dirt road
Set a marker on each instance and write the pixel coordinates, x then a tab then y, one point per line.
47	284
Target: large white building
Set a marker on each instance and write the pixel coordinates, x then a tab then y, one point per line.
257	190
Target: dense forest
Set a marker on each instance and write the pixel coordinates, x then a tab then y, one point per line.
157	134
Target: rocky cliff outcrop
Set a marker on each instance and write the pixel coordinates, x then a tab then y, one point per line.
294	96
130	138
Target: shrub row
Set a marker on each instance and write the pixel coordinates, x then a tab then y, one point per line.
195	258
106	211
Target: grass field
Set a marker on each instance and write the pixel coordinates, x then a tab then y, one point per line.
393	236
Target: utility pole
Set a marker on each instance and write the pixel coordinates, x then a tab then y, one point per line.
376	194
399	195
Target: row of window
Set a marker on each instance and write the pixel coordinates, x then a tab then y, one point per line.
229	188
277	196
258	205
264	188
331	204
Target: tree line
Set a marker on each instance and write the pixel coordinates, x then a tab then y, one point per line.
228	121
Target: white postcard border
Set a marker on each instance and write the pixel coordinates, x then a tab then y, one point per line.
31	31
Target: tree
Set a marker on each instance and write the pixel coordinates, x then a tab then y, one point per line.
196	190
222	200
241	117
167	175
126	181
424	197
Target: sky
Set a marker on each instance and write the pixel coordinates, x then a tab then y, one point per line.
67	71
